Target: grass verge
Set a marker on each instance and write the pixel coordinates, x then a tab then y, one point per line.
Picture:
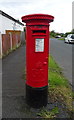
59	90
48	114
61	38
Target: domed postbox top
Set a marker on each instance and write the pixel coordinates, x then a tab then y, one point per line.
37	18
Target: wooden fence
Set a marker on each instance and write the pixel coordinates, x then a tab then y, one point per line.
8	42
5	43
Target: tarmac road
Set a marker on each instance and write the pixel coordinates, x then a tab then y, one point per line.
62	53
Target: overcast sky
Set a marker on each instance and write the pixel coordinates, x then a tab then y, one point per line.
60	9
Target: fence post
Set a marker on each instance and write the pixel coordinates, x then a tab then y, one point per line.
0	45
10	40
16	40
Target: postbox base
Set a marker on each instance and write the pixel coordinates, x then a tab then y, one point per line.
36	97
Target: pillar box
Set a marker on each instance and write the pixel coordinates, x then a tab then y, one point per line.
37	52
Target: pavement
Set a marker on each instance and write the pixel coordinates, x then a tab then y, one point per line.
0	88
62	53
13	84
13	90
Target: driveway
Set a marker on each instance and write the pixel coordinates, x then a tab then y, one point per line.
62	54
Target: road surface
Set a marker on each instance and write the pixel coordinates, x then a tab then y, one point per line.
62	54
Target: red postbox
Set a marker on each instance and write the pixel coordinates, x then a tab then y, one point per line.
37	51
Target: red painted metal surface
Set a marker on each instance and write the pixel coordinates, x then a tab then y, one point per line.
37	29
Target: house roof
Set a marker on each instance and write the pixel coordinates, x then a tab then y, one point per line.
11	18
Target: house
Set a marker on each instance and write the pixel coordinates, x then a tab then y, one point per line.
11	33
9	24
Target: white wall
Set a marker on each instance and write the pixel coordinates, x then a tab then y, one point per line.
73	15
0	45
0	23
7	24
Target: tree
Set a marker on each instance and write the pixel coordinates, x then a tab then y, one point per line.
24	29
52	33
72	31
